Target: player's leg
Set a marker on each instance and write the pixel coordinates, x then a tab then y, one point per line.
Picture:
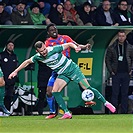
97	94
2	92
84	83
80	78
59	84
89	103
50	97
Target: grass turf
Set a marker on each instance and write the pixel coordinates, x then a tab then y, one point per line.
79	124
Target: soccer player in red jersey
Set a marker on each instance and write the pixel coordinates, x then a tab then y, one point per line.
56	39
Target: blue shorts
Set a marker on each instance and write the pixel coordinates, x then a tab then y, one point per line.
52	79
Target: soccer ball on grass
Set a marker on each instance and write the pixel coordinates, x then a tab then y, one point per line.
87	95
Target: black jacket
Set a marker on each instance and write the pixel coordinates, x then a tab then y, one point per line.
55	17
128	16
4	16
8	63
87	18
101	18
111	58
18	19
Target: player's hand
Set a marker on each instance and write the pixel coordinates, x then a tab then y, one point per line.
77	49
88	46
84	47
12	75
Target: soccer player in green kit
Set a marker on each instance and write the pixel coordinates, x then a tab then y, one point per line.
2	92
66	69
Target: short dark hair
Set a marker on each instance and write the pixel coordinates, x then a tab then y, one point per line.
122	1
121	31
9	41
38	44
51	24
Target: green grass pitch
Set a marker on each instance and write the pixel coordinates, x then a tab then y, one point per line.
78	124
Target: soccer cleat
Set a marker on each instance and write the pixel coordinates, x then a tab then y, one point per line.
3	114
110	107
91	103
50	116
66	116
3	108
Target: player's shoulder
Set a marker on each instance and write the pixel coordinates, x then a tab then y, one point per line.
64	36
48	39
36	55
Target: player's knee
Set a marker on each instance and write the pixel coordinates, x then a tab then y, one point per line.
2	83
49	91
49	94
54	90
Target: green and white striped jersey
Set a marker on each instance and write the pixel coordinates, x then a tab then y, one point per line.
54	59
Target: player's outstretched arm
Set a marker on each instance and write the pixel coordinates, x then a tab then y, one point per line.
23	65
87	46
72	45
84	47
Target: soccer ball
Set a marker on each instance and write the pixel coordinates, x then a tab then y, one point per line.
87	95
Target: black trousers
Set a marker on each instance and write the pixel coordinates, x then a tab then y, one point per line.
9	91
42	102
120	87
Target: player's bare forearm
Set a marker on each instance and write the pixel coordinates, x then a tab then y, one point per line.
87	46
23	65
67	45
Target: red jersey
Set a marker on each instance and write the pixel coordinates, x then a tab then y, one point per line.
61	39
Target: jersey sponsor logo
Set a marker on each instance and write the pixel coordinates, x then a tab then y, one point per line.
61	40
85	65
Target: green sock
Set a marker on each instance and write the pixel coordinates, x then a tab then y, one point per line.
97	94
2	92
60	101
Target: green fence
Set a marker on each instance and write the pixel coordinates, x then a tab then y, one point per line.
91	62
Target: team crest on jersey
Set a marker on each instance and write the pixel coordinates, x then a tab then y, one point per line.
62	40
52	44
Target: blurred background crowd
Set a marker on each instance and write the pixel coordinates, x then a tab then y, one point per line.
67	12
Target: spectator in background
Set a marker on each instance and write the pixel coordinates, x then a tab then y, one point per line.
119	60
37	17
70	15
2	92
20	15
130	2
56	15
44	7
86	15
122	15
30	2
130	9
54	3
105	15
8	63
10	5
5	18
79	3
44	72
